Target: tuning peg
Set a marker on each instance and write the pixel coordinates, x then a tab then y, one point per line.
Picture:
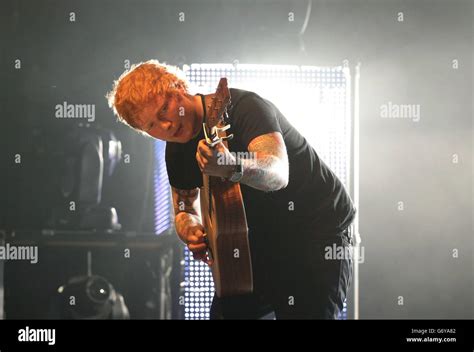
229	137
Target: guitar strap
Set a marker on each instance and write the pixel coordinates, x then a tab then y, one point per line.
203	106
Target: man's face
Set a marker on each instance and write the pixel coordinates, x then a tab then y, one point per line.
170	119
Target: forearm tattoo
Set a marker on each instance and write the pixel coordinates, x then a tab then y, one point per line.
185	200
269	171
186	209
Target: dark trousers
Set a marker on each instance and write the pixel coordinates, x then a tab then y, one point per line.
296	277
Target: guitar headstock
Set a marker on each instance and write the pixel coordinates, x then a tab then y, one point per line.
215	121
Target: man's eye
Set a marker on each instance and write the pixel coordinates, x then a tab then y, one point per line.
165	108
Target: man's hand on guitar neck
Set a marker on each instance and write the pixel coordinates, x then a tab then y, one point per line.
265	169
216	161
188	221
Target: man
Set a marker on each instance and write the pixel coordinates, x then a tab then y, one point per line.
297	209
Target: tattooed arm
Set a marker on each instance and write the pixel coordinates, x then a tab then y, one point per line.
269	170
188	220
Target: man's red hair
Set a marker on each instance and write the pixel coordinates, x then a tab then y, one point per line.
142	83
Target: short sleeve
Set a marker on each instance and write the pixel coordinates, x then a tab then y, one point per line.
182	167
253	117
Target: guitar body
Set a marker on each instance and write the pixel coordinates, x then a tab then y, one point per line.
227	233
223	215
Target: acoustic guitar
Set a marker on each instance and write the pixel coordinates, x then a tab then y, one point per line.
223	212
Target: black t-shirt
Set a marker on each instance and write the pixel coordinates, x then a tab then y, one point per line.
315	201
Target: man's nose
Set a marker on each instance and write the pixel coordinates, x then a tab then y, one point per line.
166	125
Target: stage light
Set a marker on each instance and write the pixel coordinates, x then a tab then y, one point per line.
162	194
91	155
89	297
